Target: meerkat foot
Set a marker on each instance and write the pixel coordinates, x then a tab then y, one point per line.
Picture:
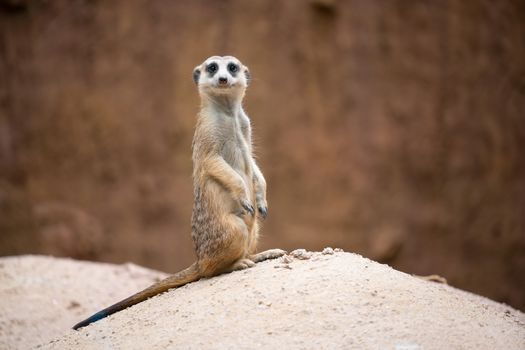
242	264
267	254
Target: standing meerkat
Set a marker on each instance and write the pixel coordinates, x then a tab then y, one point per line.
229	187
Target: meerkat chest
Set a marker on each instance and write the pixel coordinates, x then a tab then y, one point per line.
235	148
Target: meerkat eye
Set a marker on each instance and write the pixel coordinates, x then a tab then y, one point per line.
212	68
233	68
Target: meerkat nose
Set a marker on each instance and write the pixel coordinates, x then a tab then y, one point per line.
223	80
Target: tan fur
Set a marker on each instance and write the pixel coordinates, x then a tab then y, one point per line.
229	187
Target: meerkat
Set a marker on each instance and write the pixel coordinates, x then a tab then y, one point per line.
229	187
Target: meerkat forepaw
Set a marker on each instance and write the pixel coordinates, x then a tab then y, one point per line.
248	207
262	206
263	211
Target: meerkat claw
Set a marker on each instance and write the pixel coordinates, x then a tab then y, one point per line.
263	211
248	207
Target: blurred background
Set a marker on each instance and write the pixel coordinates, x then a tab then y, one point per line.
393	129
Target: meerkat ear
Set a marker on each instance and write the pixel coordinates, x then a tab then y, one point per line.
196	75
248	76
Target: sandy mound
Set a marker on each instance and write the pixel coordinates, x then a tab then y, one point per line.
42	297
330	301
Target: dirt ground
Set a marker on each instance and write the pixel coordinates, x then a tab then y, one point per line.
309	300
42	297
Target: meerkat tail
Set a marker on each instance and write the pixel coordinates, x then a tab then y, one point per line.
179	279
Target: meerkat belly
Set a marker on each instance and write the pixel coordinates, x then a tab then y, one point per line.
211	202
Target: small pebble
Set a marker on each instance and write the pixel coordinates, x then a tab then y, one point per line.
284	266
328	251
301	254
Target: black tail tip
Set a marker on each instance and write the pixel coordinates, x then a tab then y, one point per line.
99	315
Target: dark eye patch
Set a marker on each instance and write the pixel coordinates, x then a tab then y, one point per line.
233	69
212	68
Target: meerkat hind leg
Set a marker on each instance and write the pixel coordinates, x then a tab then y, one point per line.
267	255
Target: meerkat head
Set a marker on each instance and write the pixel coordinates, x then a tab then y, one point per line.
221	75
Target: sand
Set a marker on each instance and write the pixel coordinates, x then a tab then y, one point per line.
42	297
307	301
